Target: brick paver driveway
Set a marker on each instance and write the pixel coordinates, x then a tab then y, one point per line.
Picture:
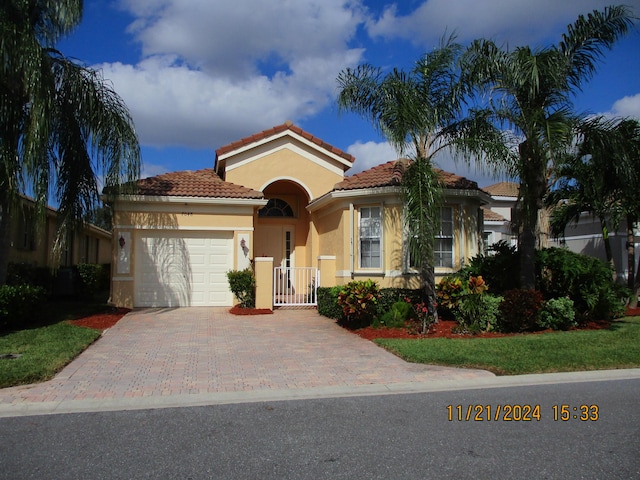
186	351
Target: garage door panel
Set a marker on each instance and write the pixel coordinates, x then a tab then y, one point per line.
183	269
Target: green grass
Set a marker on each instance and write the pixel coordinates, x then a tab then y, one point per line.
47	345
578	350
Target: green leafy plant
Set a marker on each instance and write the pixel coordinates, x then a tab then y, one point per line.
587	281
389	296
328	302
19	304
92	278
242	284
558	314
519	310
498	268
478	312
449	291
358	300
399	313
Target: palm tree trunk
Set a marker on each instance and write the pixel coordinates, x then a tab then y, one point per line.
633	280
533	182
607	247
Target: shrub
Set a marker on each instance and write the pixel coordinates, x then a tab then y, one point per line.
26	274
478	312
358	300
19	304
558	314
499	268
92	278
242	284
586	280
519	310
328	302
396	316
449	291
389	296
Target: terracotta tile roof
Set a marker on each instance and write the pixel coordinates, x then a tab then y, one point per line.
279	129
503	189
390	174
492	216
187	183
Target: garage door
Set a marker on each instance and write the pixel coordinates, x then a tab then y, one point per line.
175	269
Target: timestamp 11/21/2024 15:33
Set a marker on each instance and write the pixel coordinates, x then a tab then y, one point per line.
521	413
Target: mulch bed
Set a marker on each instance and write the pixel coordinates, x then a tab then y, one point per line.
447	329
101	321
237	310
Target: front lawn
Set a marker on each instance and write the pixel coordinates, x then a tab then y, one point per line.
615	347
48	344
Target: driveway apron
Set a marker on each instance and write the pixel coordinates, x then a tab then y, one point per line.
193	351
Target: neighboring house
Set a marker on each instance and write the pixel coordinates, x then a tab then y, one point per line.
32	243
584	237
278	198
499	216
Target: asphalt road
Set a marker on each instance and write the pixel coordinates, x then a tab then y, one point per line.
409	436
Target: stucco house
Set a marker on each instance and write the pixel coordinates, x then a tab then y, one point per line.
500	214
31	244
279	199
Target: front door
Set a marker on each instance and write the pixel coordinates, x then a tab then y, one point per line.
277	241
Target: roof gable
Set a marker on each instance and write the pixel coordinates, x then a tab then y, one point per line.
503	189
200	183
279	131
390	174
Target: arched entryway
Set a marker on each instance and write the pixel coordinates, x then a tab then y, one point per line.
282	232
282	226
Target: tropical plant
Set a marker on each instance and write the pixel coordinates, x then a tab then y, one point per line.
61	123
519	310
530	91
478	312
396	316
358	300
420	113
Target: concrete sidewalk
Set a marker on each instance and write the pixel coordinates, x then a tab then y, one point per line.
199	356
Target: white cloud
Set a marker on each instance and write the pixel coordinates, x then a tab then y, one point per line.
151	170
213	72
518	22
627	107
370	154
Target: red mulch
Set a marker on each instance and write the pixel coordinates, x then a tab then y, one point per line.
101	321
633	312
446	329
237	310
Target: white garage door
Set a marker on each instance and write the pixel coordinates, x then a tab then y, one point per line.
179	269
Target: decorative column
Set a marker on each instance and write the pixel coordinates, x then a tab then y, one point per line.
264	282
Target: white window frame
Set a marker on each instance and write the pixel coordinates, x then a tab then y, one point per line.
444	257
369	238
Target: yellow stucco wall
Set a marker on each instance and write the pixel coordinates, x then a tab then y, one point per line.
285	163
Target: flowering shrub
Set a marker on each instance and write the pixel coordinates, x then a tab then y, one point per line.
426	316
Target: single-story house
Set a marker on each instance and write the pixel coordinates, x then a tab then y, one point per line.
279	200
31	244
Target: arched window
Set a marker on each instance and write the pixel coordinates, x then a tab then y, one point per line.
276	207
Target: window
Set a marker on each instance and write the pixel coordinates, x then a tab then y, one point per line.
443	246
370	236
276	207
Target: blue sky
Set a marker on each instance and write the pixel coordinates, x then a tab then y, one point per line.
199	74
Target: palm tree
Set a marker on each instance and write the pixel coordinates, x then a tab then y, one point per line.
587	180
420	115
61	124
531	94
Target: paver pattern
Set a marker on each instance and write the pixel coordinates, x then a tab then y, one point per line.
164	352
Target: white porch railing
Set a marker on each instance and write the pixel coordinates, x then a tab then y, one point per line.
295	286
